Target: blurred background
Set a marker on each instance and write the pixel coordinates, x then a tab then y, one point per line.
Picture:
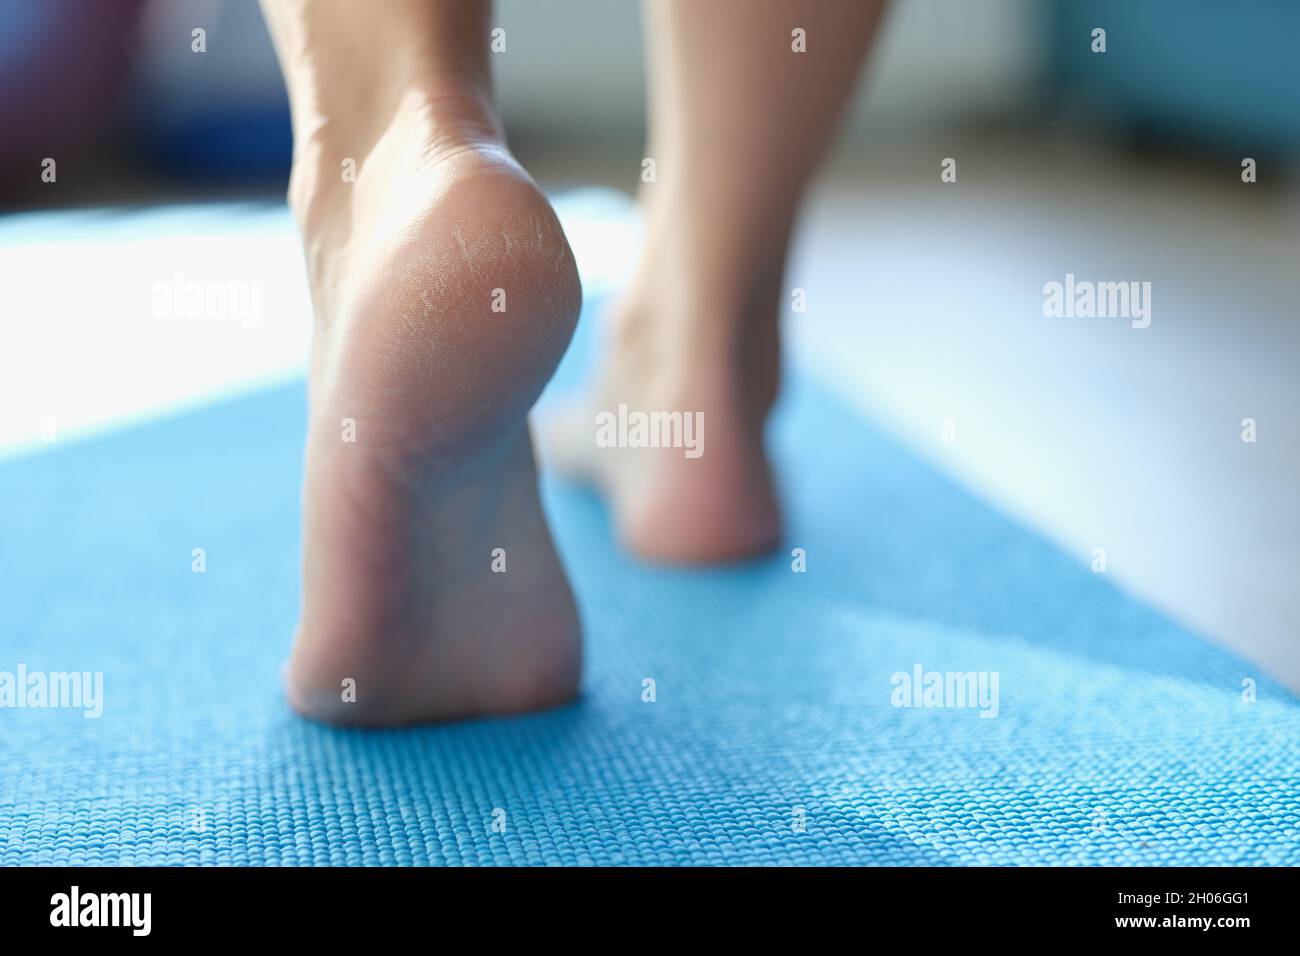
924	298
114	89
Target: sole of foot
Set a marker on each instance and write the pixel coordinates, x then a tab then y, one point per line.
445	294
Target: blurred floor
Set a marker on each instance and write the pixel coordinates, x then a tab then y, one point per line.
925	303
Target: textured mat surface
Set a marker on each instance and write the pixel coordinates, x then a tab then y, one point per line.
1119	739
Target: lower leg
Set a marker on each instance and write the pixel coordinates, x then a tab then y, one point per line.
738	123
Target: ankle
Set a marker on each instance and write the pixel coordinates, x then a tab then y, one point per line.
347	61
355	73
424	119
678	322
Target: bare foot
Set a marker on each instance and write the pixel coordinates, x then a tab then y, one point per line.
698	329
445	294
714	357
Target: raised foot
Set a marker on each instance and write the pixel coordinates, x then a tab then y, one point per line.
445	294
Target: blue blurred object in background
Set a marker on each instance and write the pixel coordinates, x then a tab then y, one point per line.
220	115
1219	76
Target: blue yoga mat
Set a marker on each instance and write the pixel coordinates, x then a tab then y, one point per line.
773	737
